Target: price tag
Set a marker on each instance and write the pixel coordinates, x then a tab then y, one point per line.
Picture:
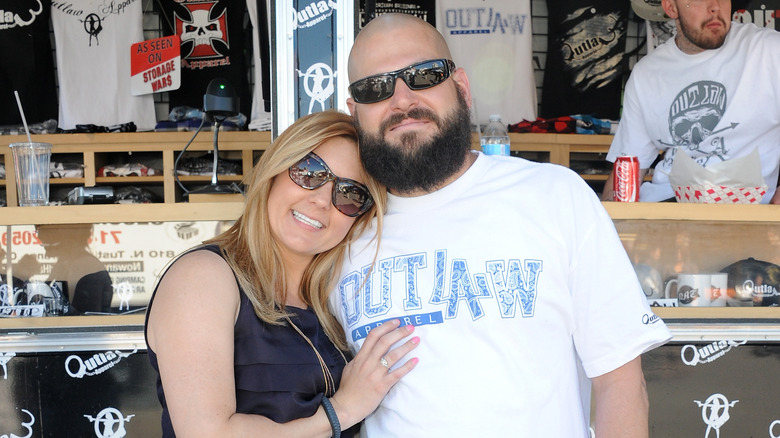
155	65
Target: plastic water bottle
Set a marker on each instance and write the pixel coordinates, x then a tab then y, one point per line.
495	138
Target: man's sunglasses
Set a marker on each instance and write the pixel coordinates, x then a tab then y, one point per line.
348	196
418	76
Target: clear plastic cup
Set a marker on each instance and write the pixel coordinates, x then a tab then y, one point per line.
31	165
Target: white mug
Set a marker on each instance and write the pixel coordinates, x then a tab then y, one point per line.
37	291
693	290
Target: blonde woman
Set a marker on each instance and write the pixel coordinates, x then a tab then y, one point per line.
239	329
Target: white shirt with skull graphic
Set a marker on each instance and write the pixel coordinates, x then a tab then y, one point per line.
715	106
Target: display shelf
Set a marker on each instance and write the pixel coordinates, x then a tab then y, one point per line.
675	237
93	151
96	150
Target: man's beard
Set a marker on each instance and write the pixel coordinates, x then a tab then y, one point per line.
414	164
698	37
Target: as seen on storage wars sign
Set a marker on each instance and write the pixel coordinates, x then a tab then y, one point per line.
155	65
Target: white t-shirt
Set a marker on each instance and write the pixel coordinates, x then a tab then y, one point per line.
492	41
93	41
518	287
716	105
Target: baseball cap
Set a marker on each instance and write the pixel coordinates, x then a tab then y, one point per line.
753	278
650	10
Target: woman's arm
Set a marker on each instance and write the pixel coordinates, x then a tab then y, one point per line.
191	329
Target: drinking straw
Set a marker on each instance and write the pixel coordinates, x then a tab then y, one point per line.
24	120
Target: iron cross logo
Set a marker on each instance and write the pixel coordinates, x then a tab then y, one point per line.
201	30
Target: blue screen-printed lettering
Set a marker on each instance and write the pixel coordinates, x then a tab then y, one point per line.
461	289
515	286
374	307
415	320
410	265
348	291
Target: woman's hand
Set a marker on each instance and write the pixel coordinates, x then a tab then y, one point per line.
368	377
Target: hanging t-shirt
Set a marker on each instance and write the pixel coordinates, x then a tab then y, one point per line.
423	9
28	66
212	46
261	53
93	40
658	32
492	41
585	58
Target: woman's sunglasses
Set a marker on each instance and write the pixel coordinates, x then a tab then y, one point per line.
418	76
348	196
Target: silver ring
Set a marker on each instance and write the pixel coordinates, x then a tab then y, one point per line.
384	363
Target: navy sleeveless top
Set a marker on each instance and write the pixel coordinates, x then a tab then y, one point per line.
277	372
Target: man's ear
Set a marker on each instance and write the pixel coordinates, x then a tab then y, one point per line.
670	8
462	82
351	106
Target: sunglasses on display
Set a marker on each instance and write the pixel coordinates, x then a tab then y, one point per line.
349	197
418	76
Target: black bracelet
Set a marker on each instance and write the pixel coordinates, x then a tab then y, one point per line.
332	417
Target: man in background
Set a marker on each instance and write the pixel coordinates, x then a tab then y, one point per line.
712	92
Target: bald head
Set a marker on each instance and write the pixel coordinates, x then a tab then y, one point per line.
394	36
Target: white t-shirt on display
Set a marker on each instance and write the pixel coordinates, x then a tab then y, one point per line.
492	41
93	40
519	289
715	106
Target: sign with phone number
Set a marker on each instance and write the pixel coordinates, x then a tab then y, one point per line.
134	254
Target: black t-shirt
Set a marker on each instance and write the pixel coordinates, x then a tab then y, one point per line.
213	45
585	63
28	63
424	9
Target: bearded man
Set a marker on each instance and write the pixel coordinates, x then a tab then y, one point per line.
712	92
511	271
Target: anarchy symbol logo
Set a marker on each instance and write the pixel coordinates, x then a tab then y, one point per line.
318	84
124	291
715	412
93	25
109	423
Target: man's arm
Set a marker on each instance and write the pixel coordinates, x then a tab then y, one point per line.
608	194
620	399
776	198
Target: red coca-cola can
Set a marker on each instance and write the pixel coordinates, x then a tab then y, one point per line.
625	179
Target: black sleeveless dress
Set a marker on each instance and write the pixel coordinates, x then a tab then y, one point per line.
277	373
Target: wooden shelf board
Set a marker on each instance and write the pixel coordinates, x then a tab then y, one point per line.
112	213
718	313
692	212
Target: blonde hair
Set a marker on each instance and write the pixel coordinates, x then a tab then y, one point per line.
254	254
